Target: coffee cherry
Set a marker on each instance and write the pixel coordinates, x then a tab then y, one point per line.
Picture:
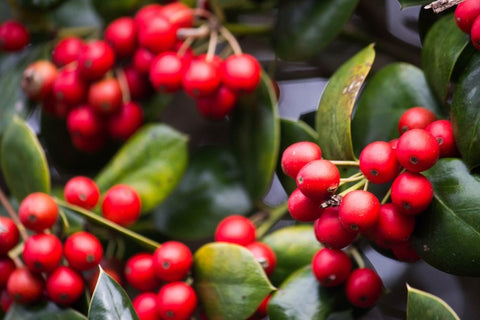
359	210
217	105
157	34
6	268
363	288
64	286
201	77
105	96
330	232
411	193
298	154
66	50
68	87
442	131
145	305
140	272
9	235
465	14
241	73
236	229
82	191
121	35
393	225
38	211
331	267
83	250
38	78
166	72
122	205
95	59
14	36
125	122
176	301
303	208
24	286
172	261
264	255
417	150
378	162
42	252
142	60
318	179
415	118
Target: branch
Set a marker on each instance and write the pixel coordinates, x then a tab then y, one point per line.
441	5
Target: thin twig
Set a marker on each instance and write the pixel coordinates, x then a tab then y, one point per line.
442	5
13	215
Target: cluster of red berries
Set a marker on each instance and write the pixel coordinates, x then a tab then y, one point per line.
466	14
14	36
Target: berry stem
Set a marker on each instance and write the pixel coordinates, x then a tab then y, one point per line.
122	81
441	5
212	45
387	196
355	177
356	256
232	41
273	216
13	215
356	186
345	162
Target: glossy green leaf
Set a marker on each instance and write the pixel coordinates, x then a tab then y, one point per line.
409	3
290	132
334	113
152	161
444	233
294	247
23	160
422	305
256	137
464	113
440	57
42	311
229	282
303	28
394	89
110	301
302	297
214	188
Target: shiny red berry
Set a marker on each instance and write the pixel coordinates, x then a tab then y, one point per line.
9	235
24	286
241	72
121	204
6	268
145	305
42	252
172	261
318	179
157	34
69	88
201	77
82	191
363	288
297	155
465	14
105	96
411	193
415	118
265	255
140	272
404	252
179	14
378	162
236	229
303	208
66	50
38	78
417	150
6	300
14	36
121	35
142	60
359	210
95	59
443	132
147	12
217	105
38	211
166	72
331	267
176	301
64	286
330	232
83	250
393	225
137	82
83	121
125	122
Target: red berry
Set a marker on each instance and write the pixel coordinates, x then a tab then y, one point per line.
83	250
123	124
318	179
82	191
9	235
111	266
179	14
262	309
66	51
24	286
140	272
218	104
142	60
138	83
95	59
411	192
122	205
105	96
64	286
297	155
363	287
404	251
176	301
378	162
241	72
68	87
465	14
38	211
6	268
5	300
145	305
442	131
303	208
359	210
172	261
84	122
330	232
166	72
415	118
146	13
157	34
38	78
42	252
393	225
14	36
331	267
236	229
201	77
417	150
121	35
265	255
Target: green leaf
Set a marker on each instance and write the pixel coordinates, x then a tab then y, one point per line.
214	188
42	311
256	137
302	297
445	232
394	89
294	247
78	13
303	28
409	3
110	301
334	112
422	305
23	161
230	283
152	161
440	57
38	4
290	132
464	113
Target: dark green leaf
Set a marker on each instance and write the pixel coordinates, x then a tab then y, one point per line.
422	305
294	247
214	188
42	311
152	161
23	161
256	137
77	13
391	91
303	28
444	233
334	112
440	57
111	9
409	3
38	4
230	283
110	301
